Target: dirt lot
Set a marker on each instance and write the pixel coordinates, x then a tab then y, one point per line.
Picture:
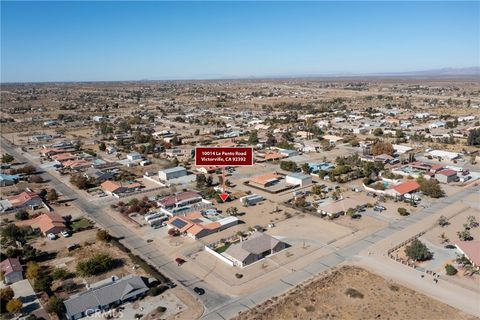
352	293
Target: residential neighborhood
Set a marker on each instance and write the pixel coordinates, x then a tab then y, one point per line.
240	160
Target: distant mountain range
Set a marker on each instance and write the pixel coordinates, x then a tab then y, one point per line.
469	72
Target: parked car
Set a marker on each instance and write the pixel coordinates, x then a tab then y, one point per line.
199	291
450	246
51	236
379	208
65	234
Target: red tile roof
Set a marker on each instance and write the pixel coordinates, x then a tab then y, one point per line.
22	198
447	172
45	222
406	187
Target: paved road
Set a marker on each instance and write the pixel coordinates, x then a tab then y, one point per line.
149	252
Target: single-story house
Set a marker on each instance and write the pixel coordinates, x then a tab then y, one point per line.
26	199
264	180
337	208
196	226
115	188
98	175
256	247
46	222
403	188
77	164
182	203
12	270
105	296
8	179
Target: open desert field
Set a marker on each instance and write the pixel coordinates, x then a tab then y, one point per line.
352	293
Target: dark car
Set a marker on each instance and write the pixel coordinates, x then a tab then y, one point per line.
450	246
199	291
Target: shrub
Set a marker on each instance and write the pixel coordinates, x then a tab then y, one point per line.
14	305
450	270
353	293
55	305
98	264
103	235
161	309
443	221
238	275
60	274
418	251
22	215
403	212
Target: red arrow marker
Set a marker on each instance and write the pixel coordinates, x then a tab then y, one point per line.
224	196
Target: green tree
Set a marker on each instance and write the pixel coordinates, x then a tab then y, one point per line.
464	235
102	146
403	212
378	132
60	274
7	158
418	251
43	282
288	166
430	187
22	215
55	305
201	180
472	222
52	195
233	211
306	168
97	264
253	137
80	181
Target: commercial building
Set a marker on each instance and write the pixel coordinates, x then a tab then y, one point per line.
446	176
172	173
298	179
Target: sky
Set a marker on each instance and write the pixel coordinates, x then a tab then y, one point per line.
113	41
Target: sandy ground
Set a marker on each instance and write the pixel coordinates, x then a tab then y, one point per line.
327	298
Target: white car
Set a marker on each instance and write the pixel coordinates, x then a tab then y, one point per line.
51	236
65	234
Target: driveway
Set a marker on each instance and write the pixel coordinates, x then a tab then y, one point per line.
24	291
